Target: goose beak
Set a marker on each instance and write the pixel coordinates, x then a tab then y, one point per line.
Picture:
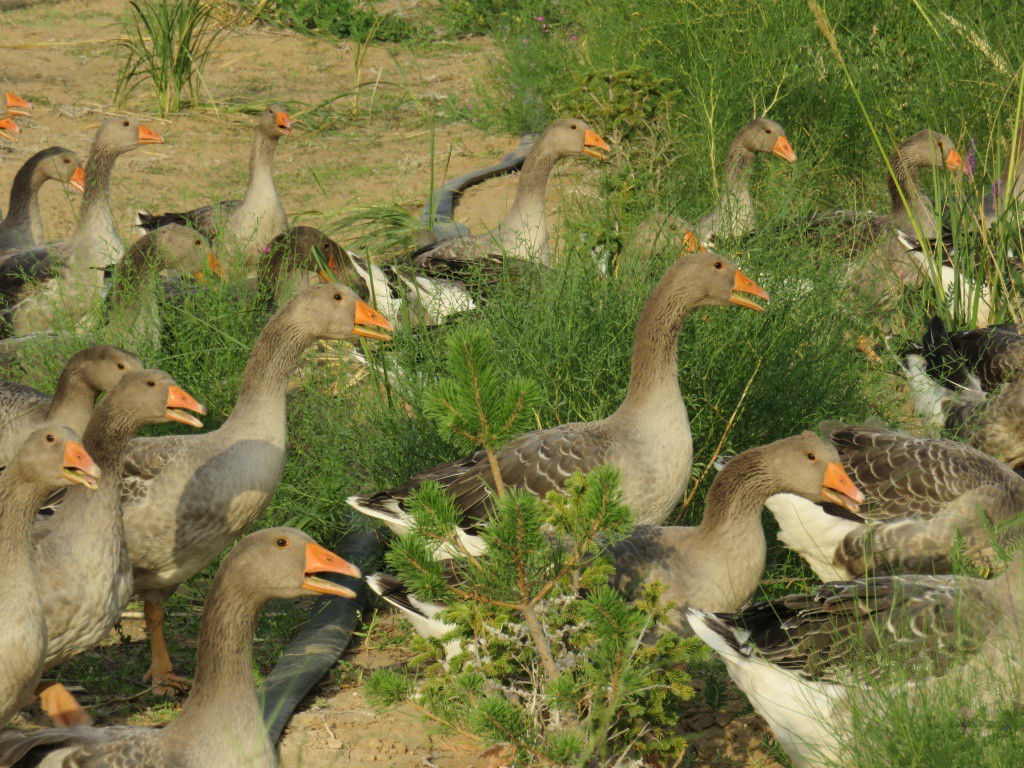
690	242
595	146
784	150
320	560
743	284
17	106
78	179
838	488
148	136
216	266
953	161
7	127
179	402
284	122
368	316
78	467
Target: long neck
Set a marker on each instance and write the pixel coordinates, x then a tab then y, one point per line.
525	224
738	493
654	371
20	497
261	166
902	180
261	399
23	211
223	696
107	435
739	163
72	401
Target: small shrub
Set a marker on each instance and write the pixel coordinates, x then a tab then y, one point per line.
334	18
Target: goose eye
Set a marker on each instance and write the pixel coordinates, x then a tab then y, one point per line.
281	543
197	242
50	438
337	297
66	161
811	457
150	383
767	130
718	265
125	123
120	366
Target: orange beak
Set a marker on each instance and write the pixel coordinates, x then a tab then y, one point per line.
147	136
216	266
17	106
178	403
320	560
783	150
838	488
368	316
953	161
9	126
284	122
690	243
594	145
743	284
78	466
78	179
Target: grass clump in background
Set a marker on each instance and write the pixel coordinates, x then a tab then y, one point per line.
333	18
167	44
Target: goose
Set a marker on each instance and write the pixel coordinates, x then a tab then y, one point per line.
715	565
23	226
256	219
1009	189
801	658
300	257
134	295
186	498
733	216
647	437
66	277
86	375
48	460
969	383
926	498
223	714
440	276
85	576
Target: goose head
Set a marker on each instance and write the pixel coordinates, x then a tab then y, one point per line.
103	366
704	278
930	149
275	122
123	134
808	466
53	457
568	137
182	249
286	563
153	397
63	165
764	135
334	311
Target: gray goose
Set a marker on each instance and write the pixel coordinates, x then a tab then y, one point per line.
300	257
733	216
134	296
256	219
70	272
23	225
647	437
970	383
85	576
186	498
48	460
86	374
713	566
923	496
801	657
441	279
223	715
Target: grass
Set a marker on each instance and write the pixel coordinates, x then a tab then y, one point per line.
168	44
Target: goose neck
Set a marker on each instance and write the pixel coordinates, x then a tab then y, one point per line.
23	210
738	492
739	163
20	497
72	401
261	166
95	212
106	437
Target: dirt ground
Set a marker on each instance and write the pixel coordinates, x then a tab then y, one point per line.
63	56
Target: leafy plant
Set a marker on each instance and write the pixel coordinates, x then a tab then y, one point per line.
333	18
169	44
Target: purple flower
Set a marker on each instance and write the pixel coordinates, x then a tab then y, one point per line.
539	18
972	157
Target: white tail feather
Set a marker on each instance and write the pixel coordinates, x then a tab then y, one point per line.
811	532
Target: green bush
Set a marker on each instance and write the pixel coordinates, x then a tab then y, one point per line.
335	18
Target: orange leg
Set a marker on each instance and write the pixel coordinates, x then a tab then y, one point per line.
161	671
60	706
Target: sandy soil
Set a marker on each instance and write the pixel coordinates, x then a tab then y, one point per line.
63	57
